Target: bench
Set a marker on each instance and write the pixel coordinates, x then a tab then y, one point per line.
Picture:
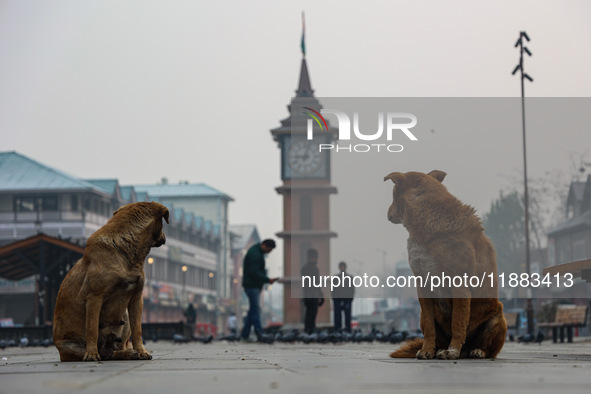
567	318
579	269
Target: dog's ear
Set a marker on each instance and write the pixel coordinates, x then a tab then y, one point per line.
165	214
439	175
160	210
396	177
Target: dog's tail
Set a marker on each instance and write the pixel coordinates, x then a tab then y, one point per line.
408	349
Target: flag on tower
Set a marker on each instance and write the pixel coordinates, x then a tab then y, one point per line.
303	43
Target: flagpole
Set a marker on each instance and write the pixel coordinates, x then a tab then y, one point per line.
303	42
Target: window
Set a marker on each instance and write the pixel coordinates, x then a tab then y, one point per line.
49	203
6	203
74	202
579	246
564	249
25	203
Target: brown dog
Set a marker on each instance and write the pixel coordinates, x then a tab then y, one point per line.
99	304
445	236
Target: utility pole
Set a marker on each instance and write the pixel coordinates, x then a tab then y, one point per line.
524	75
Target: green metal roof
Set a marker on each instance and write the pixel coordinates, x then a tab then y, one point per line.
20	173
182	190
128	193
108	185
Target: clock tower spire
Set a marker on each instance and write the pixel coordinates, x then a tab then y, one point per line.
304	86
306	189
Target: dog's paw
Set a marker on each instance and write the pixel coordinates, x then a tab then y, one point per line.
448	354
144	355
477	353
425	354
91	356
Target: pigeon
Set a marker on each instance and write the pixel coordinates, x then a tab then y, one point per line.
397	337
178	338
229	338
527	338
264	338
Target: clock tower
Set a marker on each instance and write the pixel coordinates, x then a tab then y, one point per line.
306	188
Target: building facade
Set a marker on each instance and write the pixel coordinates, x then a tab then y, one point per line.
37	199
209	207
571	240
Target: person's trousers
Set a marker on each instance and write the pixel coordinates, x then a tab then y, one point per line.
253	318
342	305
311	305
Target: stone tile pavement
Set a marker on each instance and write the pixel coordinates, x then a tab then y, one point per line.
223	367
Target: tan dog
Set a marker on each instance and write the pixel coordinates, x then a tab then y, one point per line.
98	312
446	236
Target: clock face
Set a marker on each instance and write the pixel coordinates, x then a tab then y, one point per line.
303	159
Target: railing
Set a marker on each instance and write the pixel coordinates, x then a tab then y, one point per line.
31	332
53	216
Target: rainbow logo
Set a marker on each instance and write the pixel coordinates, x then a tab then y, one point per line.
315	115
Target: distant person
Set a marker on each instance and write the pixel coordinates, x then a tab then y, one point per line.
342	298
313	297
191	315
254	276
232	323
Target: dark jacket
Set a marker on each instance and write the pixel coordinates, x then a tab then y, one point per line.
346	290
254	274
311	270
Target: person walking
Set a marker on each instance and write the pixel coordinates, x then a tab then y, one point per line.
342	298
313	298
254	276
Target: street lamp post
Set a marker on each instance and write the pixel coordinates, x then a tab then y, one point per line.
150	265
235	297
520	67
211	275
184	268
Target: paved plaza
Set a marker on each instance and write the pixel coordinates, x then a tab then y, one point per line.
222	367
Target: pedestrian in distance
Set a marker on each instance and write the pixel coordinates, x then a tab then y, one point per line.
313	298
191	315
342	299
253	278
